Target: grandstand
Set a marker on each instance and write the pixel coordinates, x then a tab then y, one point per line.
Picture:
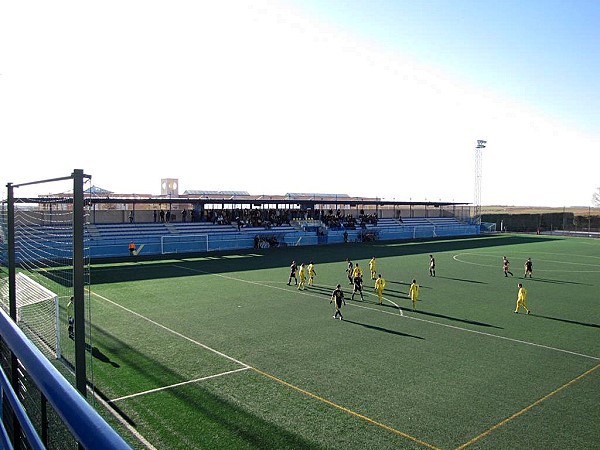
219	340
111	240
235	220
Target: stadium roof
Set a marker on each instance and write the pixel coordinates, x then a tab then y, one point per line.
95	190
297	195
196	192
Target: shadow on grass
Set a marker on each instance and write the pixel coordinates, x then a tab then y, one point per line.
156	267
455	319
388	290
546	280
385	330
240	425
461	279
323	289
96	353
574	322
400	295
396	282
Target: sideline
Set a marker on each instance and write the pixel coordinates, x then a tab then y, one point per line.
264	374
527	408
358	305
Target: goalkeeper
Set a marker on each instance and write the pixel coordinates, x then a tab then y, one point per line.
70	320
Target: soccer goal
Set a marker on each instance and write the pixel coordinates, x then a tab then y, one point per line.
37	311
184	243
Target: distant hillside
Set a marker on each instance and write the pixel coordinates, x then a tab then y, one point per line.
576	210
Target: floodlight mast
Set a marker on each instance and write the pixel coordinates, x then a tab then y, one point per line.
477	201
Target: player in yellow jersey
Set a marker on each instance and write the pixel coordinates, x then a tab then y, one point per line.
302	276
521	299
379	285
413	293
311	273
357	272
372	268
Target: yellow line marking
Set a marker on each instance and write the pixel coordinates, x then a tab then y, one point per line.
346	410
524	410
265	374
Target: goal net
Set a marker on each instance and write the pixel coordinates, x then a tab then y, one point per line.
37	311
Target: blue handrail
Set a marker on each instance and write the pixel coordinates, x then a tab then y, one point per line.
32	437
82	420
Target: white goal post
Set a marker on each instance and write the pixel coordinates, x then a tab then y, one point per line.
37	311
184	243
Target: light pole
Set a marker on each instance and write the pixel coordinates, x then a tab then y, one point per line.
477	201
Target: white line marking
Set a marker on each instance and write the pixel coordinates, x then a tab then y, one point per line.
305	292
108	406
537	262
503	337
200	344
130	428
150	391
405	316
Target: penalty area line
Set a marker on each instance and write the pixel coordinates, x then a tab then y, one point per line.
183	383
262	373
176	333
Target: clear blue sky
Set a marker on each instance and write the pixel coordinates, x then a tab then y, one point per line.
543	52
366	98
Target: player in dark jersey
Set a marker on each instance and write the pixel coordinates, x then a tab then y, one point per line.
337	296
357	281
528	268
506	267
349	271
293	269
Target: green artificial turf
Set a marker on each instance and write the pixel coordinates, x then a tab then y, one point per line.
217	351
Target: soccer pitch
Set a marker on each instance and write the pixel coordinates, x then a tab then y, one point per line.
218	352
